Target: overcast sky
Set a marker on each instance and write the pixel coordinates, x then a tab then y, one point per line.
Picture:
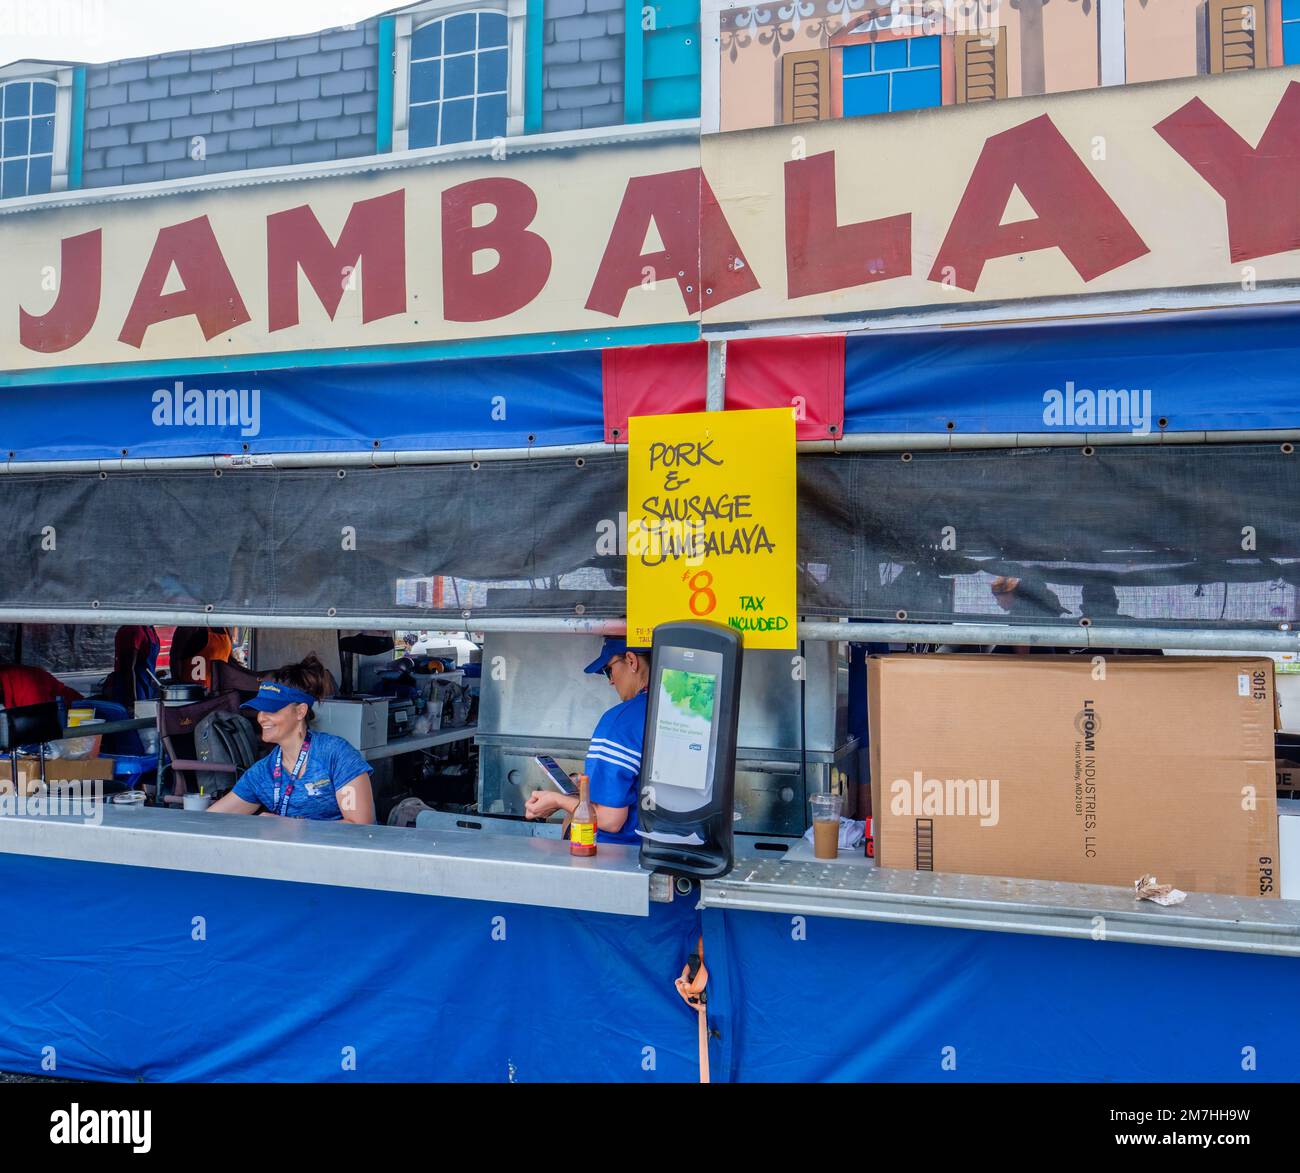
106	30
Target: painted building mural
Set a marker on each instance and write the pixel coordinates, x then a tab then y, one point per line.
1120	194
812	60
430	75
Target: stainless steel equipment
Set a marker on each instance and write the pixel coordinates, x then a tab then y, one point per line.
361	720
536	700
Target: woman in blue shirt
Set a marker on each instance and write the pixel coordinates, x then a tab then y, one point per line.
613	763
307	775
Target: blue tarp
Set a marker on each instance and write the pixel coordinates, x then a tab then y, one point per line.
820	999
125	973
120	973
1223	371
445	404
133	973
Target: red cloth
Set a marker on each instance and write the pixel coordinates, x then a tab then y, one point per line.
24	685
804	372
652	380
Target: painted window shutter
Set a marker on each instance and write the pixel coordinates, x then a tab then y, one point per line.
806	86
670	58
1237	35
981	61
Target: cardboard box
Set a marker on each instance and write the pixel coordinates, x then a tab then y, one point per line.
1288	777
56	770
1031	766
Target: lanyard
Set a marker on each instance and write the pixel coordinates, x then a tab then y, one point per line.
282	804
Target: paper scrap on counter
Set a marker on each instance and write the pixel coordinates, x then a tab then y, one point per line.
1164	894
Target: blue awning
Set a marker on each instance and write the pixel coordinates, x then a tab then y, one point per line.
448	404
1223	371
1220	371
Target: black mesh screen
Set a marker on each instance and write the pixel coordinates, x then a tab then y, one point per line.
58	647
402	541
1206	535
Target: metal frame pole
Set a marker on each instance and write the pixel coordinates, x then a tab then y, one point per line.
1057	635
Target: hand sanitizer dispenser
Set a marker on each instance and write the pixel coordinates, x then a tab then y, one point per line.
688	764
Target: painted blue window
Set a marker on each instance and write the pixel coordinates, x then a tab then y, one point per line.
892	75
26	138
1291	32
924	51
459	69
889	55
426	41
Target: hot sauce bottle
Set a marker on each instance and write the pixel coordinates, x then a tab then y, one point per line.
582	828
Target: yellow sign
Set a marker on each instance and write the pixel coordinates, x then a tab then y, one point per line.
711	523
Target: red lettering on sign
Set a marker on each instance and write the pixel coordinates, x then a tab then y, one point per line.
209	294
81	260
700	251
523	257
1259	184
820	253
1074	213
374	237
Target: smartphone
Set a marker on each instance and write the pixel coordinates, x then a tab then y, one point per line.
555	775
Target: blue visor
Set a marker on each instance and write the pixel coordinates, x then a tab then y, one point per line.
613	646
272	697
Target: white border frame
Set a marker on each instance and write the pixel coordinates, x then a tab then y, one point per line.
711	64
516	36
1112	65
61	75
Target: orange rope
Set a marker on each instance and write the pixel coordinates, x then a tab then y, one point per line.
692	990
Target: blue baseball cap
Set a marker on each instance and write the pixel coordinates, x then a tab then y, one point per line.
614	645
272	697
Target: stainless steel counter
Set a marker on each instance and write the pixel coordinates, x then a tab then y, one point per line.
526	870
513	870
796	884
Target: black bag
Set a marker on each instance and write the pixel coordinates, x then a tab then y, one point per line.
225	738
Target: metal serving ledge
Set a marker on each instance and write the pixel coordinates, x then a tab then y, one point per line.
861	891
413	742
514	870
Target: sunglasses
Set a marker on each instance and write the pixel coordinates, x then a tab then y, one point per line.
608	670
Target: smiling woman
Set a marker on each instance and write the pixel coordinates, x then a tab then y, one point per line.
308	775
